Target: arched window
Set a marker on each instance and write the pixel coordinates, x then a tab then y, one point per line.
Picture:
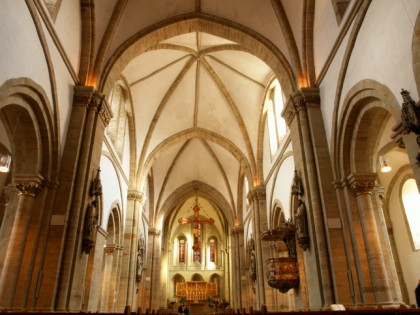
411	201
213	250
182	250
117	126
274	104
246	191
197	255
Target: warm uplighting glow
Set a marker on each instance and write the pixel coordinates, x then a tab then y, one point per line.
5	160
385	166
411	200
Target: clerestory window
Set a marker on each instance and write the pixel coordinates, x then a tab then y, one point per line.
411	202
116	129
274	105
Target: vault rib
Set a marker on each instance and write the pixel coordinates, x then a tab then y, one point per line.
235	111
261	85
158	70
160	109
225	179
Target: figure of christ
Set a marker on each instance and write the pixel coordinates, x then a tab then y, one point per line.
196	221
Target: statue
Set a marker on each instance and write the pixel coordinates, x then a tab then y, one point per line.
89	230
297	186
140	251
410	113
302	225
92	215
252	262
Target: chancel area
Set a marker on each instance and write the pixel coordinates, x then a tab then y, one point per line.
220	155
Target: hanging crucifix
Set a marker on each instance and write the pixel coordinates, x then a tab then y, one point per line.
195	222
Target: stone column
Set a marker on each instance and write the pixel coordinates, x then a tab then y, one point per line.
361	186
106	278
310	149
90	116
128	284
29	189
262	249
153	290
385	232
237	249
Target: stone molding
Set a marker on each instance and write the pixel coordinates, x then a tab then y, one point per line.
362	183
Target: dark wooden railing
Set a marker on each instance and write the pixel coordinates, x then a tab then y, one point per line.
263	311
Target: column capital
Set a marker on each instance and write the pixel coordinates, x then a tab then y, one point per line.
238	229
362	183
82	95
257	193
154	232
136	196
29	186
110	249
302	99
94	100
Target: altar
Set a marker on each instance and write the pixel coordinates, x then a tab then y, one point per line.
196	290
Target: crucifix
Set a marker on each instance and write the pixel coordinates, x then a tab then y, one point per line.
195	222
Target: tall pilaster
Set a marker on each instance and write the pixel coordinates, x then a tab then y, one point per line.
106	299
29	189
153	288
362	186
237	263
259	216
90	115
128	284
385	231
304	118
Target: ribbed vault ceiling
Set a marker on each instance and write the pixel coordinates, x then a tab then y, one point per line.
197	72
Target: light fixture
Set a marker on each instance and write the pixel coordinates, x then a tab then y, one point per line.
385	166
5	160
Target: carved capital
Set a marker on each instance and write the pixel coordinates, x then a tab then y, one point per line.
311	97
29	187
110	249
257	194
105	112
362	183
302	99
82	95
154	232
136	196
238	229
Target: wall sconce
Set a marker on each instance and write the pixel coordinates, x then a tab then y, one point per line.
385	166
5	160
